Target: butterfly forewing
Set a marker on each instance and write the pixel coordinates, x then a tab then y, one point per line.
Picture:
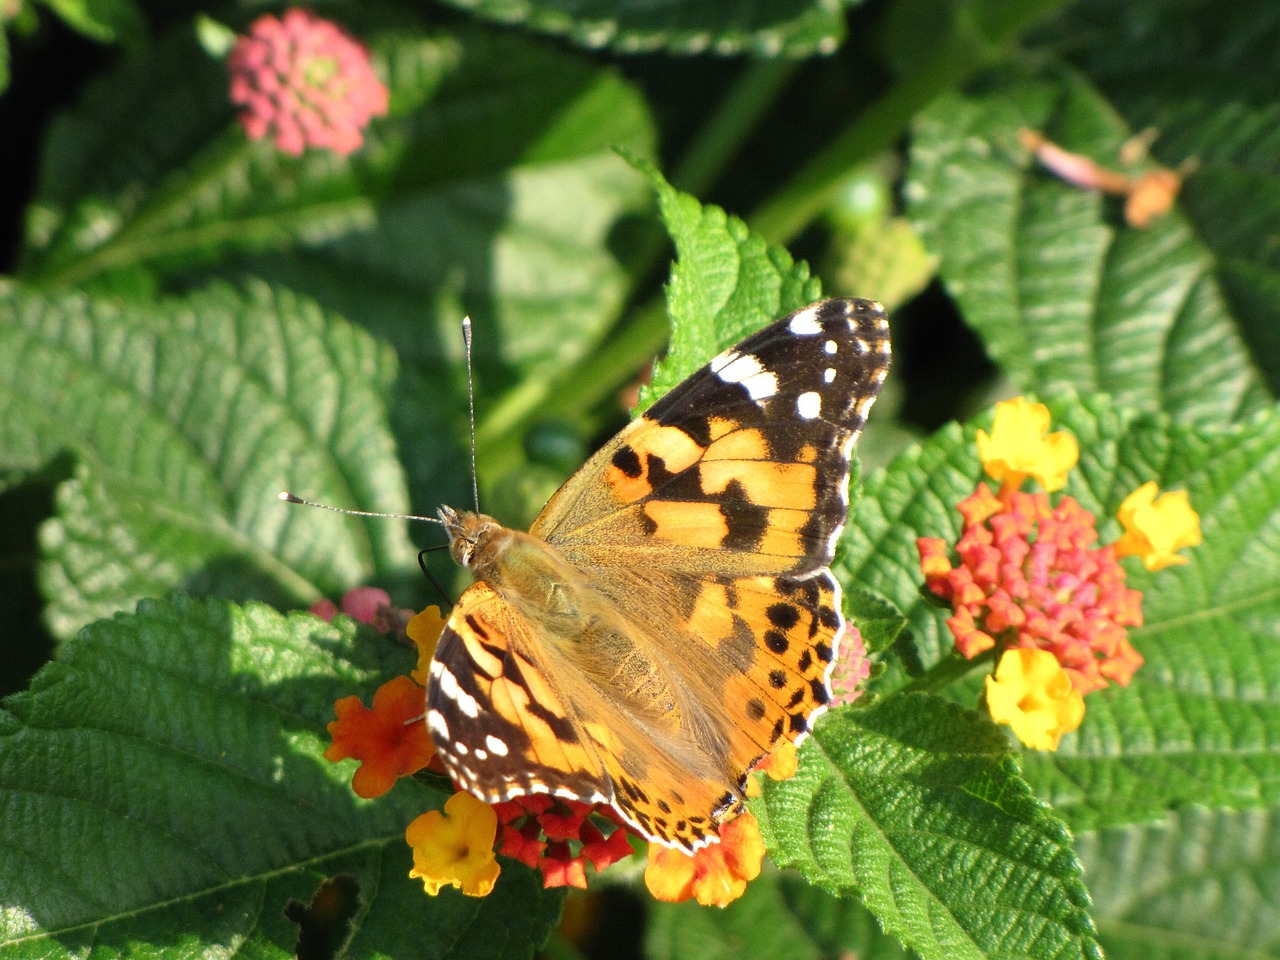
683	622
744	466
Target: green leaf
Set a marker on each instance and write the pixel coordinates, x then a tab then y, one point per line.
107	21
1200	722
163	784
779	916
428	221
188	418
1190	89
878	620
1198	886
885	262
792	28
1062	293
726	284
916	805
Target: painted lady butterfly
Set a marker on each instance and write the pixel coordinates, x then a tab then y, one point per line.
670	617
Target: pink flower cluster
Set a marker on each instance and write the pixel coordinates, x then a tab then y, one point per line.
304	83
1028	575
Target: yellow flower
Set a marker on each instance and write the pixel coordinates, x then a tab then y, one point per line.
424	630
455	848
714	875
1034	695
1019	447
1155	529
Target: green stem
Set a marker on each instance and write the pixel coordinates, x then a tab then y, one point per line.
627	348
967	47
752	92
945	672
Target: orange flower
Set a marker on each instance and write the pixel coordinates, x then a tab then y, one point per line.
1031	575
424	630
455	848
716	874
1155	529
1019	446
1034	695
782	764
390	740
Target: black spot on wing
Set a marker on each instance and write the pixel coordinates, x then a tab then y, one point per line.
628	461
783	615
745	521
562	727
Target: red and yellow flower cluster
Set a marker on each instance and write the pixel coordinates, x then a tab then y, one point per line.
457	846
1029	581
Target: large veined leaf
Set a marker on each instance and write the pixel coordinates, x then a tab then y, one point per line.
162	784
1063	293
186	418
780	915
1199	885
783	27
915	805
727	283
426	222
1200	722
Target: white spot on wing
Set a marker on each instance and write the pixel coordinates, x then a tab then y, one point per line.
805	324
448	684
751	374
436	724
830	346
496	746
828	374
809	405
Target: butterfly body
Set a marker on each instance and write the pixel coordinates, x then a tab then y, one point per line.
669	619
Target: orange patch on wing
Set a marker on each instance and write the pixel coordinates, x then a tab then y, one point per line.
604	736
711	618
677	450
739	445
782	533
766	484
689	524
485	661
718	427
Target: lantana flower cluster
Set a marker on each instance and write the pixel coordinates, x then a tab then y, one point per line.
457	846
1028	580
303	82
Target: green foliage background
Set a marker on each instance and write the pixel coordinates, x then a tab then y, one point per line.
190	322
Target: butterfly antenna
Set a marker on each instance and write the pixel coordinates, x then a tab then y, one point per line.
288	497
471	406
422	562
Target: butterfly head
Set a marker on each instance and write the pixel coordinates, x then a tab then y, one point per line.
473	537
